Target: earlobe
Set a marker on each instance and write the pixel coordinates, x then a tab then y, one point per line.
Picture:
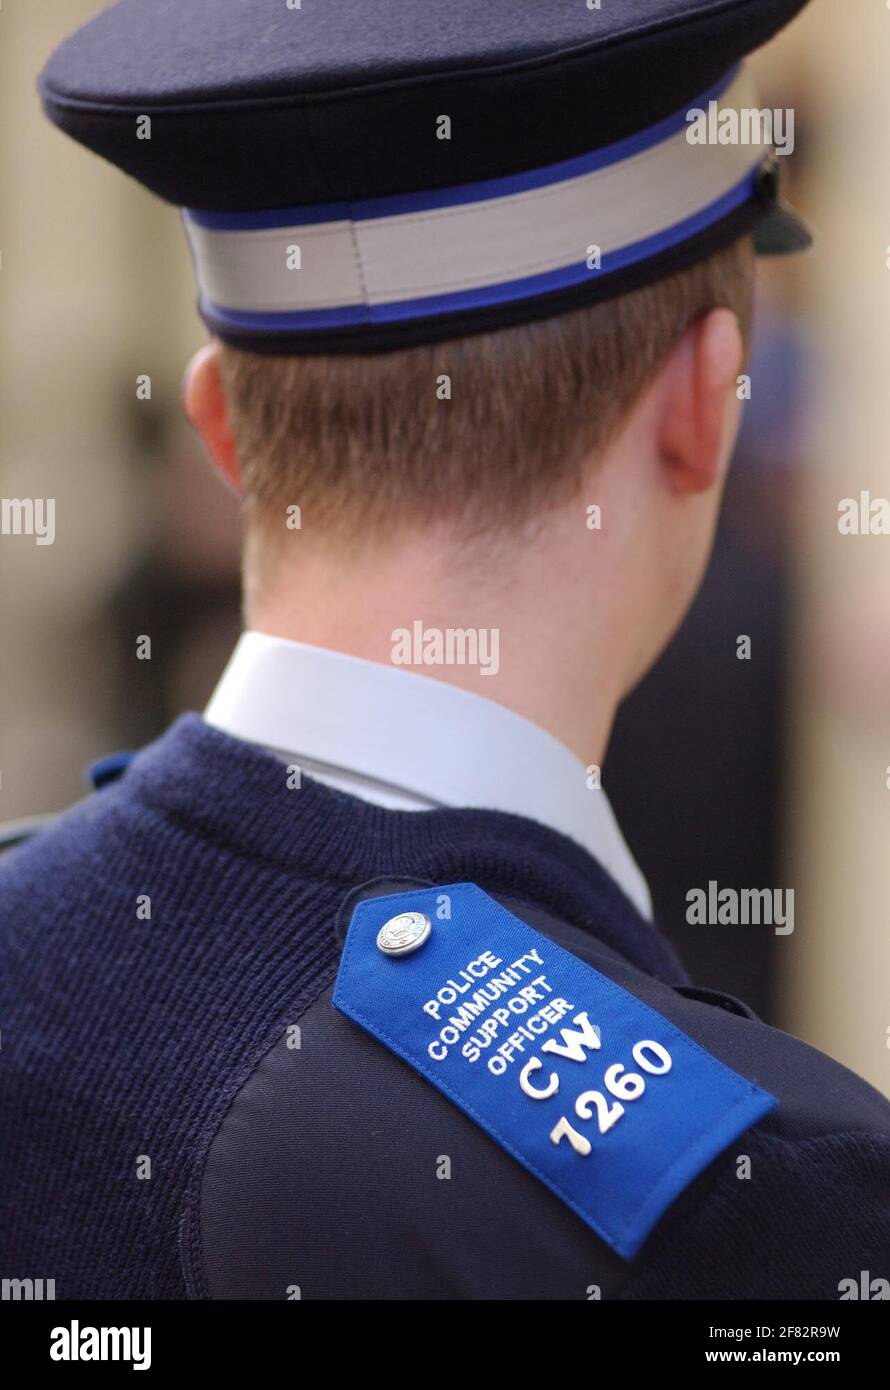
206	406
700	402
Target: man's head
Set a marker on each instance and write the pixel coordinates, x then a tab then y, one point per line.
487	452
425	216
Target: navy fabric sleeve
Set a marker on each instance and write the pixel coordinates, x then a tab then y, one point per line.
812	1215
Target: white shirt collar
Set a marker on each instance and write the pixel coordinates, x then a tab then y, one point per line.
411	742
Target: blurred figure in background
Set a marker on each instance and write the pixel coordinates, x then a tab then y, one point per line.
707	729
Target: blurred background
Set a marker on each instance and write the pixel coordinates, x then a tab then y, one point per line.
767	773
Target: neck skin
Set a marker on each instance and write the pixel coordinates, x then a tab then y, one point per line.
580	612
562	684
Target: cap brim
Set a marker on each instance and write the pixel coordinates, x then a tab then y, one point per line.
782	232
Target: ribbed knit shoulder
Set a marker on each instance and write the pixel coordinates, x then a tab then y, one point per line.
157	939
805	1219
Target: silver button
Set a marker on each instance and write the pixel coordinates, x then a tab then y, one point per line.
403	934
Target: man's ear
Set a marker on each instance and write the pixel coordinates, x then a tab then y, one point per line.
207	409
700	409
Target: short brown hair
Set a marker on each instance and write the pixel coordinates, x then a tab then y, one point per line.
363	441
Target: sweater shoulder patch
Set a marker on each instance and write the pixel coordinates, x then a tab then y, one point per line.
600	1097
